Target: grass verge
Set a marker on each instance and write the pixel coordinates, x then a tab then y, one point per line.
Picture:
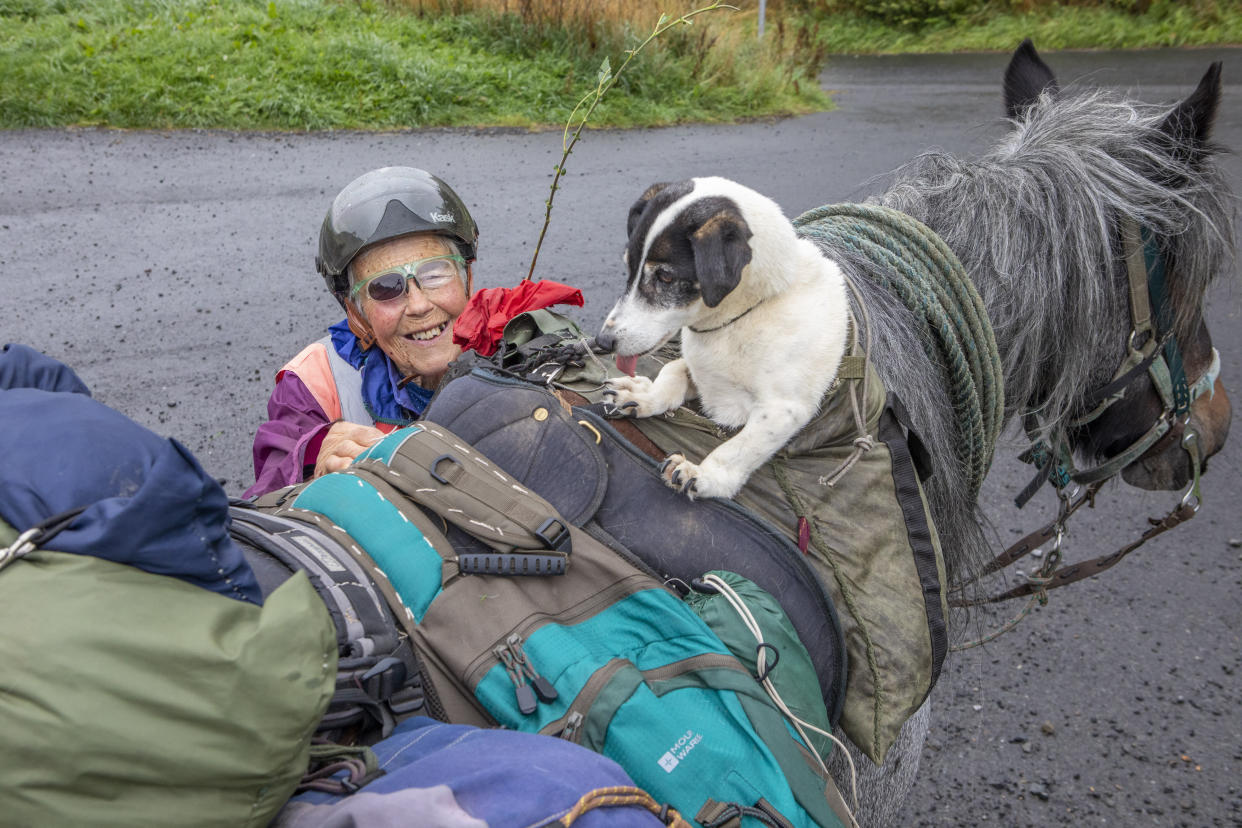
323	64
998	27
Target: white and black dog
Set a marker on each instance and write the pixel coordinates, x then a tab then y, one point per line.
763	317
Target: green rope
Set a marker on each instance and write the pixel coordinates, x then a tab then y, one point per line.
915	264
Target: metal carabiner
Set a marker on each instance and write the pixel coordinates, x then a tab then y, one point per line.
20	548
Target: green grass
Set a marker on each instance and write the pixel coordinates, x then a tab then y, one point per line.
321	64
342	64
1051	26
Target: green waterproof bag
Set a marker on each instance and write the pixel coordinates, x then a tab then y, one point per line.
788	664
138	699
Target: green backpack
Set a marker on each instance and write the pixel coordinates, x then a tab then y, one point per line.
139	699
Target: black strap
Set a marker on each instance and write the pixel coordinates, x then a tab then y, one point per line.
49	528
918	532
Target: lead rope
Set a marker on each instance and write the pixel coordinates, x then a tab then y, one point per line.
762	646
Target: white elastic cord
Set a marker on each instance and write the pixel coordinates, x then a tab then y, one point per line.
752	625
864	442
586	346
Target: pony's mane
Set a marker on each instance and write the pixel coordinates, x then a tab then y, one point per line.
1034	223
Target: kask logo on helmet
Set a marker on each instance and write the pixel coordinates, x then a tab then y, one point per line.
444	217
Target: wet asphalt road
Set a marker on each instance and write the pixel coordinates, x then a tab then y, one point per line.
173	271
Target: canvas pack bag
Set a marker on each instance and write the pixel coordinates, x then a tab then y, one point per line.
869	535
871	538
522	619
132	698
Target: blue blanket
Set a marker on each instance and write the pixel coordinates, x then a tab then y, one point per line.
148	502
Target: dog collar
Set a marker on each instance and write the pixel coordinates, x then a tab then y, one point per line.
730	322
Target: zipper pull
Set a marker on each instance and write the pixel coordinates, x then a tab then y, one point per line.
570	733
526	701
543	687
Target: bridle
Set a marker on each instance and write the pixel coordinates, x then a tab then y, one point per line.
1152	348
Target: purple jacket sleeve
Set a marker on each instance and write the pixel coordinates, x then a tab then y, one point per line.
295	423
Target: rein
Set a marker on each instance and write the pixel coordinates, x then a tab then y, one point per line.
1148	352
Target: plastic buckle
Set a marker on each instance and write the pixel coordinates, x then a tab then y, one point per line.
407	699
547	373
699	585
443	481
384	679
558	541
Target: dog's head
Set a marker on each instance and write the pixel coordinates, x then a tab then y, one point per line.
689	248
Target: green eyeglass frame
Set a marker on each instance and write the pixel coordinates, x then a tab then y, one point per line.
407	271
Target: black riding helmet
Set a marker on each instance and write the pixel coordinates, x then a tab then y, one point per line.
384	204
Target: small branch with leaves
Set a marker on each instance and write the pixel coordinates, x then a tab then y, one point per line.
604	81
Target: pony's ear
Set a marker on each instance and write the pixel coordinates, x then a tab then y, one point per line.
1190	122
721	246
1025	78
636	211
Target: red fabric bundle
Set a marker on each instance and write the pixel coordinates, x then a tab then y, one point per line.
481	325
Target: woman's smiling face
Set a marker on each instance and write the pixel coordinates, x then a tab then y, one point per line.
415	330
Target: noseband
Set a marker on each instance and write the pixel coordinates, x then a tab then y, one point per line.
1152	348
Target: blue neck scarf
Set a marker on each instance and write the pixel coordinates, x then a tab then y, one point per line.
385	402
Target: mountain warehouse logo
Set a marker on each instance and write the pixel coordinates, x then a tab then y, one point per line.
684	744
445	217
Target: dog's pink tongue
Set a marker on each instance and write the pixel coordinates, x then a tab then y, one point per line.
627	364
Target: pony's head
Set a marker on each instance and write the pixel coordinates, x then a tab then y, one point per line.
1170	221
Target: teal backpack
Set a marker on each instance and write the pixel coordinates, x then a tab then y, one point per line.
523	620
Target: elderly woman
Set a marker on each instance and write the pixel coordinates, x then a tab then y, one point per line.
395	250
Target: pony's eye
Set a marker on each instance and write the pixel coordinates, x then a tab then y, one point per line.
663	274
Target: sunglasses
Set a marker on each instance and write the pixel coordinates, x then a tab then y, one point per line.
430	274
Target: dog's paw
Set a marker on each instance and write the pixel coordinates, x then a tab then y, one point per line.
680	474
631	397
698	480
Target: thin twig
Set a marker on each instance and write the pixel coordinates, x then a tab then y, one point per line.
604	81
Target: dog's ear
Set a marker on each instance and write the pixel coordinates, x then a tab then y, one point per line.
636	211
721	246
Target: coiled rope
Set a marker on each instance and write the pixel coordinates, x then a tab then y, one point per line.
915	264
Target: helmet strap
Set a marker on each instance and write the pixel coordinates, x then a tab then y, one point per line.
469	280
359	326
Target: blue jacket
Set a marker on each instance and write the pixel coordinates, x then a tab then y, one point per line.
148	502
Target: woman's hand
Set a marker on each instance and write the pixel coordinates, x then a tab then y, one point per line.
343	442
